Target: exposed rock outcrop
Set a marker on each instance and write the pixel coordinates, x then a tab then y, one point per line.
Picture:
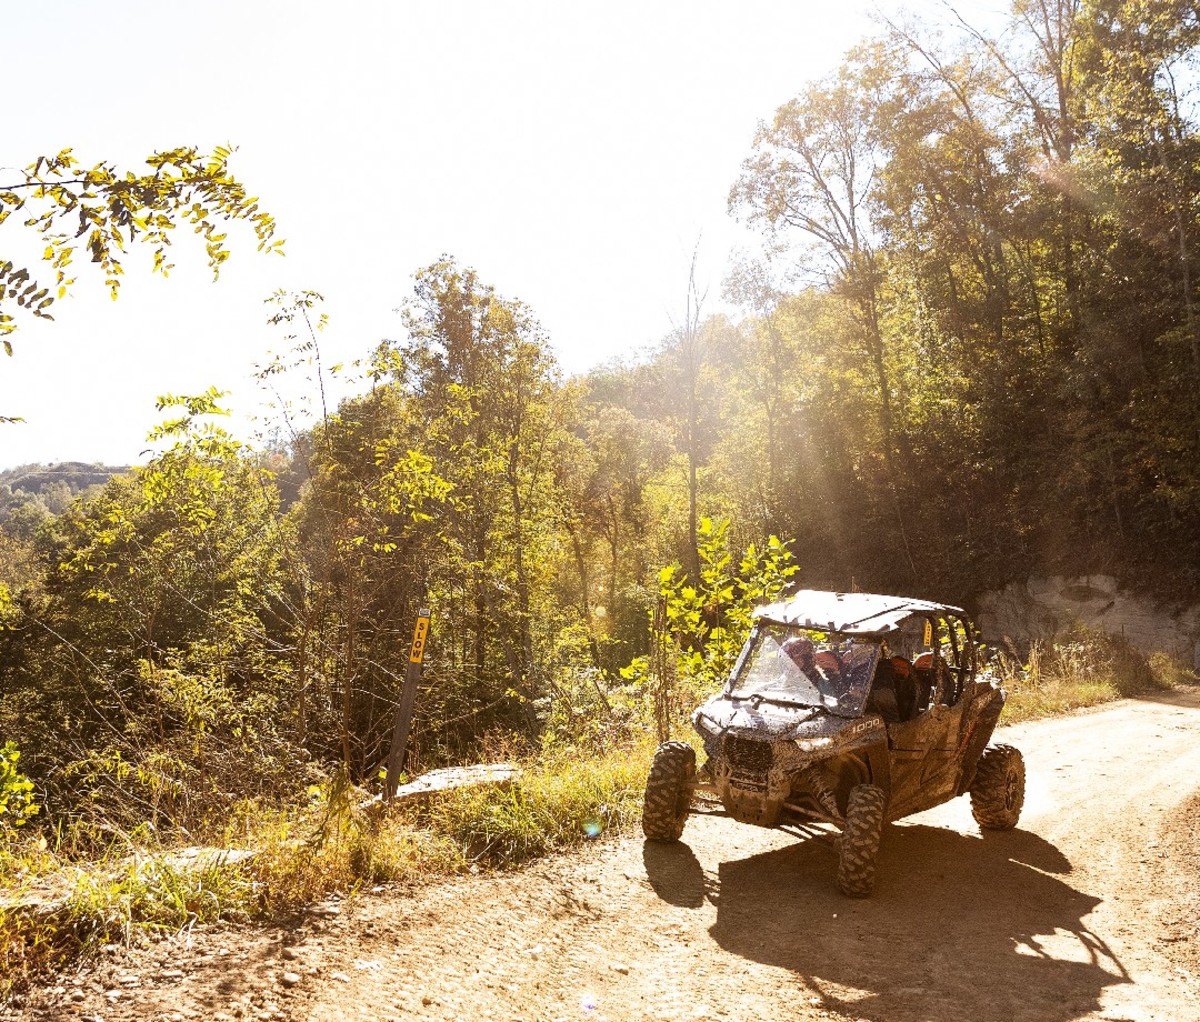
1044	607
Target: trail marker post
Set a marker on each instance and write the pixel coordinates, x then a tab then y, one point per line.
408	699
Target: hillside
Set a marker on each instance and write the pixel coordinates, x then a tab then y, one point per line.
964	361
51	487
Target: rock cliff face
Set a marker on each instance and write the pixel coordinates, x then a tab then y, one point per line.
1043	607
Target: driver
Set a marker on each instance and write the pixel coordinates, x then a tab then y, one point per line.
820	668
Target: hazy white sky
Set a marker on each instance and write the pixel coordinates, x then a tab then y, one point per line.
573	153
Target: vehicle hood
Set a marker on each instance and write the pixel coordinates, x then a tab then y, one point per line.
766	720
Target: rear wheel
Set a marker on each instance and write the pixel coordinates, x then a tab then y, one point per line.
998	791
859	845
669	791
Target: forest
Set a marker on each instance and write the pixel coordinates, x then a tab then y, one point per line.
969	355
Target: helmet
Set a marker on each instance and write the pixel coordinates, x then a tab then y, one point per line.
800	649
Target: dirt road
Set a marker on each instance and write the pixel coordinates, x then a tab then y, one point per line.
1089	910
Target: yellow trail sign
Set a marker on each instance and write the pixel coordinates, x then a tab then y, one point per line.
417	653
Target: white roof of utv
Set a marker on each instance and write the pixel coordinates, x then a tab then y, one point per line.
849	613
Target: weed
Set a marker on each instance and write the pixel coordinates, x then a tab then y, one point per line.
1167	672
554	804
63	913
1082	668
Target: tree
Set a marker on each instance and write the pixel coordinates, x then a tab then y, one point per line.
370	529
147	658
815	170
604	471
691	365
1013	223
766	367
484	378
103	210
1040	65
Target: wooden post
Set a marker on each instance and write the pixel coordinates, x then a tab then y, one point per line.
408	699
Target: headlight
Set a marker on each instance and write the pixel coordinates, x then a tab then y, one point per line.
706	724
813	744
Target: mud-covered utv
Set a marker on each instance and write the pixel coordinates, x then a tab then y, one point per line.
848	709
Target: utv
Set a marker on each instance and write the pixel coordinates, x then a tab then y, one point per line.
847	709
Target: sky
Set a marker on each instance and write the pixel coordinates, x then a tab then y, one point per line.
574	154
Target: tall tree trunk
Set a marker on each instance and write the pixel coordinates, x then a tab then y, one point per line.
585	603
524	625
614	557
348	671
693	362
868	289
479	654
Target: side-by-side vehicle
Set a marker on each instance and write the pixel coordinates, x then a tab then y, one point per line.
848	709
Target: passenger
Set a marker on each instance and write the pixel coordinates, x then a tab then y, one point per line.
802	653
827	660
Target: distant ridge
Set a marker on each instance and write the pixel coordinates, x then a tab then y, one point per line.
36	478
45	490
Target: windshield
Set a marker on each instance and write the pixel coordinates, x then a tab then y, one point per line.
793	665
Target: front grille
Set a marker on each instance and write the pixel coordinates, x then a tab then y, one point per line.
746	754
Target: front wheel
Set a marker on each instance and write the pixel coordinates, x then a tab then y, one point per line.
859	845
998	791
669	791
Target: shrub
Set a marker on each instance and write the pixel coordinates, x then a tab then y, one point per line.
16	791
1080	668
1167	672
699	625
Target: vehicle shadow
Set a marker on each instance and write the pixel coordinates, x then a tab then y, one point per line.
676	874
958	928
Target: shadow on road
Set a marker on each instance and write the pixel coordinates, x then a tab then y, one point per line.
676	874
958	927
1186	697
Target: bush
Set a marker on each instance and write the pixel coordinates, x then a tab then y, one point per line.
554	804
1167	672
699	625
1080	668
16	791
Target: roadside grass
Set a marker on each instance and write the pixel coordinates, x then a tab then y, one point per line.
1047	698
1083	668
561	801
52	917
53	910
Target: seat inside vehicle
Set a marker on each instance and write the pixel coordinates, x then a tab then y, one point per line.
894	695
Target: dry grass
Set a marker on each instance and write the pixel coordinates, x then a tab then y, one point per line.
1048	698
331	845
1082	669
